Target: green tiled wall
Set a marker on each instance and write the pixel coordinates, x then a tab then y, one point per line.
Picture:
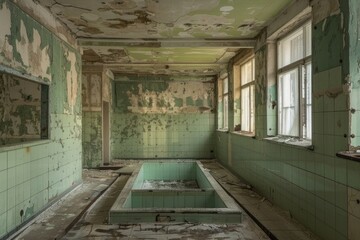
168	199
154	119
311	185
33	174
168	171
162	136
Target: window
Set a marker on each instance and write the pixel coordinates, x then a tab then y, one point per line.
23	109
294	83
247	94
244	96
223	100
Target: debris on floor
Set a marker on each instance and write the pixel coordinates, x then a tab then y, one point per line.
83	213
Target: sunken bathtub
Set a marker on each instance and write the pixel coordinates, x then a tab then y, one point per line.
178	191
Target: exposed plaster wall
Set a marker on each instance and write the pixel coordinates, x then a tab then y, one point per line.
35	173
22	46
261	87
91	91
162	119
96	88
47	19
324	9
92	118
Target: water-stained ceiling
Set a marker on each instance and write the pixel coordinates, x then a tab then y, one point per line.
167	33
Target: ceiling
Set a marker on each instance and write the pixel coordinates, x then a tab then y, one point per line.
186	37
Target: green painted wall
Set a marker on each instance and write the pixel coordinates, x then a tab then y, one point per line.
92	119
162	119
314	186
33	174
92	139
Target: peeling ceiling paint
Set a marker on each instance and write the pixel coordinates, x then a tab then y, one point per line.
203	20
164	18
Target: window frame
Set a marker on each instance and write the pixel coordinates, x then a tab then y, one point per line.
300	67
223	93
251	86
238	87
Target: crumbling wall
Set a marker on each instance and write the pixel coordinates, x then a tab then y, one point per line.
92	119
35	173
19	109
162	119
96	89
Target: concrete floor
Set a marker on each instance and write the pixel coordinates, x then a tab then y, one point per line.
83	213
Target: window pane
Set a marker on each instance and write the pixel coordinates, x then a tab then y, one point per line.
252	108
308	101
225	111
245	109
220	104
247	72
289	103
290	49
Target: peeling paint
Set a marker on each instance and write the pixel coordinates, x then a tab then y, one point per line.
5	33
72	80
159	19
32	52
154	97
160	119
324	9
20	110
44	17
48	167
